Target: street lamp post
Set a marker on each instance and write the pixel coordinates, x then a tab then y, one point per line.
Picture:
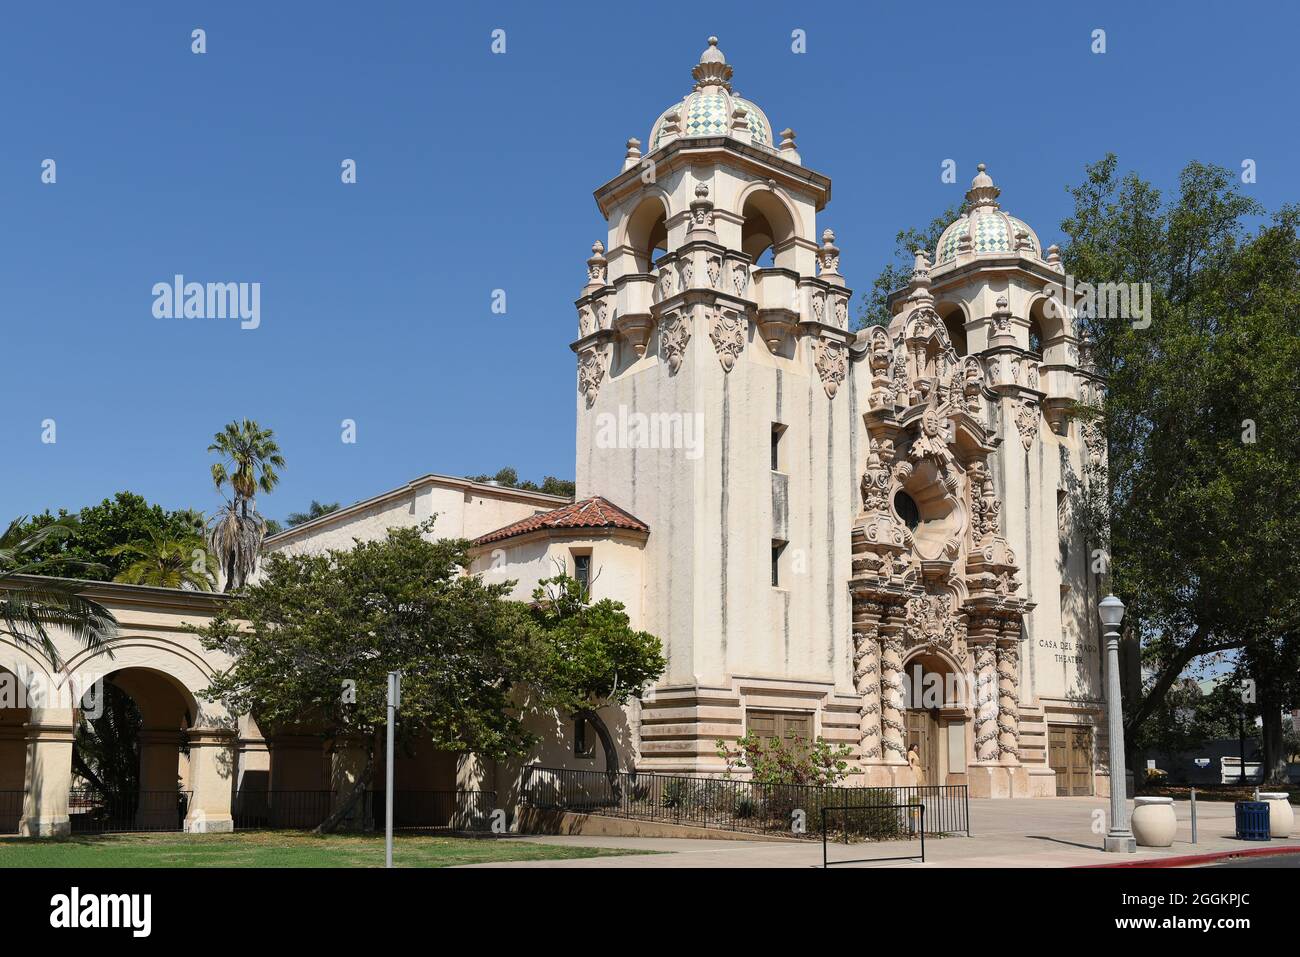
1119	838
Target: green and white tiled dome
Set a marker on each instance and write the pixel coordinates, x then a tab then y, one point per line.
706	111
991	231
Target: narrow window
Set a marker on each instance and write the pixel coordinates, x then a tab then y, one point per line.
778	430
581	748
582	571
777	548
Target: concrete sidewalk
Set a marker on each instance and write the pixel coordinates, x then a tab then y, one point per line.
1060	832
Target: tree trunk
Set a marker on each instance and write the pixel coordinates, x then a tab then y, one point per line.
1273	760
592	718
341	813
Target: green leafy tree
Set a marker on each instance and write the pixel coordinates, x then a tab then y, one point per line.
250	459
31	606
1195	507
85	549
509	478
314	640
791	761
898	272
163	562
593	659
315	510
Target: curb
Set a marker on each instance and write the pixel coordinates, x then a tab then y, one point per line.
1189	860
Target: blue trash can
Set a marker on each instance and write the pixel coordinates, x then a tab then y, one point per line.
1252	821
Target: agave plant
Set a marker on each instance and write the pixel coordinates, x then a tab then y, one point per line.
165	562
236	532
31	606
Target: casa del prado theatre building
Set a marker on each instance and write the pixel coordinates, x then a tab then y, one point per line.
868	536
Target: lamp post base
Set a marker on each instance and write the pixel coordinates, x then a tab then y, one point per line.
1121	842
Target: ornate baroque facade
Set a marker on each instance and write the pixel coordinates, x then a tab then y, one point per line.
866	510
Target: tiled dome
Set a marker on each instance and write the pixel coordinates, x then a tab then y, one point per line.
706	111
991	231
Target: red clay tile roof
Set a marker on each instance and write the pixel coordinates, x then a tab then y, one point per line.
595	512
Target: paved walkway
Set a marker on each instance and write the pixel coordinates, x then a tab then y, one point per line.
1060	832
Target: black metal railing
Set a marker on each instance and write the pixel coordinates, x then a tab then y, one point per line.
11	810
878	822
96	812
284	810
438	810
412	810
733	804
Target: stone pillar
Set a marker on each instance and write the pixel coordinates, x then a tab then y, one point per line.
893	731
212	771
347	764
866	679
160	753
986	701
49	773
1008	671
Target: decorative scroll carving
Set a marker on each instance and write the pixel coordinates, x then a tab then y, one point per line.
674	334
728	335
931	622
591	371
832	361
1027	422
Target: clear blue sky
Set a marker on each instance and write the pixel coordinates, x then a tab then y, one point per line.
475	173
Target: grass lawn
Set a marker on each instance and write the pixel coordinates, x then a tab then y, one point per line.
279	849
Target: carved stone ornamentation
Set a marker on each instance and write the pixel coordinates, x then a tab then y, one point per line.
931	623
740	277
727	332
1027	422
586	322
818	306
841	313
714	265
832	361
591	372
674	335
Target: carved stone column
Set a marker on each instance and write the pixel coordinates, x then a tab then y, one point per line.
893	731
866	679
986	700
1008	670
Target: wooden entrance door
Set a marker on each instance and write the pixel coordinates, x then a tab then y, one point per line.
923	731
1069	752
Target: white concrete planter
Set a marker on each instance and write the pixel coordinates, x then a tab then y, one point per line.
1154	823
1281	816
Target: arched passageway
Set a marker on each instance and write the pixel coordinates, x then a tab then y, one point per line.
935	695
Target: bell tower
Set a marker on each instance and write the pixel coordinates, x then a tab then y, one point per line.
714	403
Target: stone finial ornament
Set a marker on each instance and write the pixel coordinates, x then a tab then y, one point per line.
633	156
712	70
596	265
982	192
828	257
788	149
702	218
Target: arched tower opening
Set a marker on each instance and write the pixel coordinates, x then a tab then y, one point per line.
647	232
767	231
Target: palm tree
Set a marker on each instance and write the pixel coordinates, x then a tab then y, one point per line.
165	562
251	459
30	607
314	510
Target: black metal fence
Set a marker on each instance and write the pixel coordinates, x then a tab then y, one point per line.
737	805
96	812
851	823
412	810
11	810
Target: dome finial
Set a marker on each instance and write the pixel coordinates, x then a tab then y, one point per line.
712	70
982	192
